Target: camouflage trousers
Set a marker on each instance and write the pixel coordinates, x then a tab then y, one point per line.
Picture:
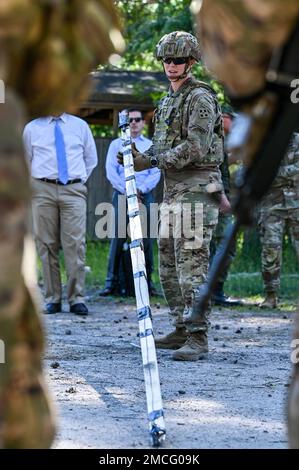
272	225
186	224
224	221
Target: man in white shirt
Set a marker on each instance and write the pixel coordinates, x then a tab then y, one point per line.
62	154
146	181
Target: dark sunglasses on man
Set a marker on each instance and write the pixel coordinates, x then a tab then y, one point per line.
175	60
137	119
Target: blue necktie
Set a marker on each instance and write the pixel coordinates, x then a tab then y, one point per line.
60	153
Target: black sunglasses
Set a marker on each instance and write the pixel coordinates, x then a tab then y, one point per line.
175	60
135	119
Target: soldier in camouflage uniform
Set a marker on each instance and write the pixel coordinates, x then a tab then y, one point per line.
279	210
188	147
46	50
239	55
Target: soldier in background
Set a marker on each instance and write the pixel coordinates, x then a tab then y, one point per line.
188	147
43	63
279	210
240	61
224	221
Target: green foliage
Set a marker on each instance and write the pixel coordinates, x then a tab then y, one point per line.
101	130
145	23
97	260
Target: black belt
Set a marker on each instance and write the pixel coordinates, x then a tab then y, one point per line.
47	180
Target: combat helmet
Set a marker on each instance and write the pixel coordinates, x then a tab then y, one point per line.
178	44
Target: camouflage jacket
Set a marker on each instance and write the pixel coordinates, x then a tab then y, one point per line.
284	192
188	136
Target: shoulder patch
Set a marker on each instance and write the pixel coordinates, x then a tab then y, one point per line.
203	113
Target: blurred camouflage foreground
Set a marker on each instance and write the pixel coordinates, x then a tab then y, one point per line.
293	401
47	48
238	38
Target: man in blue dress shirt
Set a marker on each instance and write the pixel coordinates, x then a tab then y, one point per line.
146	181
62	154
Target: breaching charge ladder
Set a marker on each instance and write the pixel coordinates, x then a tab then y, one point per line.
148	349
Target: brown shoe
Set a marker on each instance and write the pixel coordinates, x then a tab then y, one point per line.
270	300
196	347
173	340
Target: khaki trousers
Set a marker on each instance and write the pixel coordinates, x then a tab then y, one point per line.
59	221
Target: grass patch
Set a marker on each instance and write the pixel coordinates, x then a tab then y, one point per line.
251	285
244	280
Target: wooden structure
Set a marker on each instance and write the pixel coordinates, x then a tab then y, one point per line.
115	90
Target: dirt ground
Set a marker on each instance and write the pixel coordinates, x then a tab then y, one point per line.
236	398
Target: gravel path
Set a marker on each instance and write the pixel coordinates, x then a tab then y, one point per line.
234	399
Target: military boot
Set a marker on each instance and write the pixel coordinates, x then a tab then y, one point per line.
195	347
173	340
270	300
